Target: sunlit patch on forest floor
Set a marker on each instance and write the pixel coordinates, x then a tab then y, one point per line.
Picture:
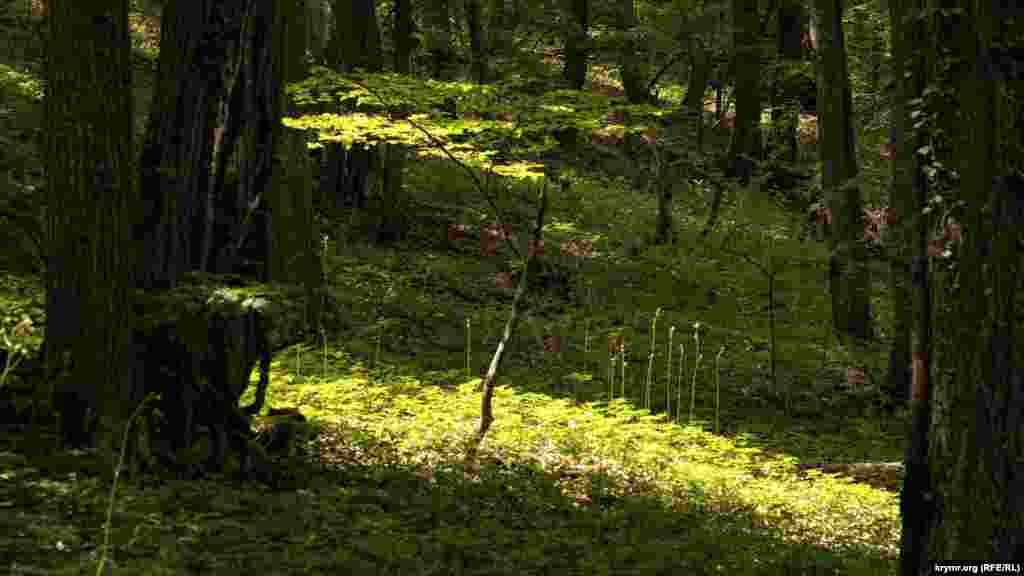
558	486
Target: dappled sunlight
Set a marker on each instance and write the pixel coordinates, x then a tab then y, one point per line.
634	449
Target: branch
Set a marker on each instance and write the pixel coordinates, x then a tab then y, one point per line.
675	58
440	146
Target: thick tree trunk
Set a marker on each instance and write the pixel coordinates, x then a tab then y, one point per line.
92	191
976	444
175	162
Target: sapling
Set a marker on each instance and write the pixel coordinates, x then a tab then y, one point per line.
105	545
586	344
380	337
323	336
622	360
718	385
298	366
679	383
668	374
469	344
696	366
611	376
17	348
650	360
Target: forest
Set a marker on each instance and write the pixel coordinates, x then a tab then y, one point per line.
453	287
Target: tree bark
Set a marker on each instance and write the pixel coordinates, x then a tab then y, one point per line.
474	24
91	188
746	146
293	244
575	41
631	68
976	443
848	278
179	138
439	39
694	103
906	218
491	377
405	42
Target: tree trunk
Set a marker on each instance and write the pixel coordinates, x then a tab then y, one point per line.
575	43
92	190
352	174
976	443
668	177
318	18
631	68
175	161
405	41
905	219
851	314
439	39
745	147
474	23
491	377
390	206
355	42
694	103
293	245
911	278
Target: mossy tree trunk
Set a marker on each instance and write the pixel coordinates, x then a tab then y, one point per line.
976	436
909	374
906	219
91	188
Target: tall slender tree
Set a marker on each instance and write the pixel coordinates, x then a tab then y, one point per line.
848	275
632	69
909	278
575	40
746	146
292	255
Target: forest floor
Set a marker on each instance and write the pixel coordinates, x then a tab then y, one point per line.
726	469
567	482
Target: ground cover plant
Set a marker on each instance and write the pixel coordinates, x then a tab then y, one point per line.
566	480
